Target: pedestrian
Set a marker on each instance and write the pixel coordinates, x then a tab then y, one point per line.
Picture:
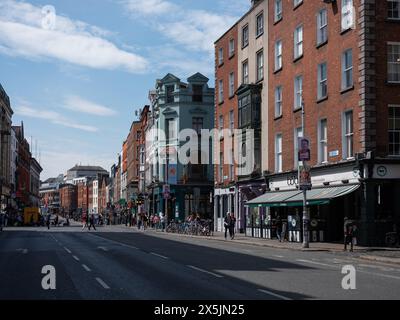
85	221
284	230
227	223
232	226
162	220
348	234
48	221
56	221
278	224
91	222
6	219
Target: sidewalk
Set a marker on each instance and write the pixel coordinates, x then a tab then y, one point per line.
379	254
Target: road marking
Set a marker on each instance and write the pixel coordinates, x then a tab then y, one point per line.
76	258
314	262
116	242
102	283
205	271
380	274
66	249
103	248
86	267
276	256
158	255
274	294
23	251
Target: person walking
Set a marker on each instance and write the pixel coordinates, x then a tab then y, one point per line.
162	220
48	221
232	224
279	228
348	234
91	222
227	224
284	230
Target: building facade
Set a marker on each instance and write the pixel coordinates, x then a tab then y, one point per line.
133	155
68	198
35	170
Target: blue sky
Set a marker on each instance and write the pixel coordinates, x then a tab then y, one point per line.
77	83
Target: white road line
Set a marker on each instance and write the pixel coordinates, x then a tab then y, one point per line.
314	262
158	255
274	294
103	248
276	256
116	242
380	275
102	283
66	249
86	267
205	271
76	258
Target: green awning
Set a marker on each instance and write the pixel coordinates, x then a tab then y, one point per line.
317	196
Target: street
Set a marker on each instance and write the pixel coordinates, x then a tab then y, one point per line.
115	263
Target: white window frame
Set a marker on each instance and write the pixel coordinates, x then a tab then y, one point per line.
397	108
221	91
220	56
393	65
278	101
278	55
347	69
347	136
245	72
298	92
245	40
322	142
296	135
347	15
278	153
231	84
297	3
260	65
298	41
232	119
278	10
322	81
322	27
391	9
260	27
231	47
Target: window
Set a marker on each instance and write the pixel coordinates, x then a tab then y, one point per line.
260	25
244	111
298	42
221	91
298	133
278	153
278	55
394	130
348	135
221	122
231	120
197	93
245	72
278	101
260	65
394	62
298	92
231	84
220	56
170	130
297	2
393	9
197	124
138	135
278	10
232	166
322	81
170	93
221	167
323	141
322	26
231	47
347	14
245	36
347	69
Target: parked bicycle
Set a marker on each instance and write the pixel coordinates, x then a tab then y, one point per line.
196	228
392	238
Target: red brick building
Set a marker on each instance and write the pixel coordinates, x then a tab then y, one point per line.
82	197
133	153
226	115
339	62
68	198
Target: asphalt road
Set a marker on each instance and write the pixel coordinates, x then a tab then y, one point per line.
136	265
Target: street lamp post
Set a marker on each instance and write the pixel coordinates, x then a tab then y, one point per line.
305	213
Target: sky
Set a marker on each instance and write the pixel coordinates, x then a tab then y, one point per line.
77	70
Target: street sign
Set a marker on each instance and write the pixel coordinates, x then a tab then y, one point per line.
305	177
304	149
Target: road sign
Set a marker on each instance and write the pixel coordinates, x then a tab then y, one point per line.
305	177
304	149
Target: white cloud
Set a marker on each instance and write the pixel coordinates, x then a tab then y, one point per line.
71	41
194	29
53	117
79	104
